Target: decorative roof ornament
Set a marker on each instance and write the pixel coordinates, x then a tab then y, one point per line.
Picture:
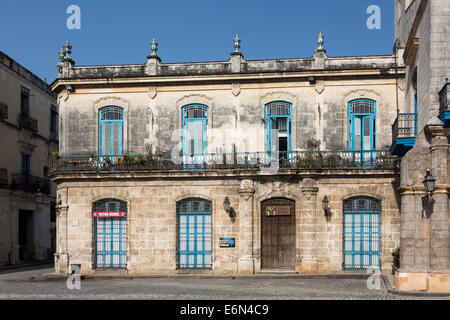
237	43
320	41
67	49
61	54
154	45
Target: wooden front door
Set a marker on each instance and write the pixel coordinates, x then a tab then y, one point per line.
278	234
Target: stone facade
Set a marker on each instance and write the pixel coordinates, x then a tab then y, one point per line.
236	91
423	40
26	230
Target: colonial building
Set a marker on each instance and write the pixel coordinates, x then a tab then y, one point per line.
235	166
421	131
29	134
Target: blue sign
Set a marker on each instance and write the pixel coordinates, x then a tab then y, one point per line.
227	242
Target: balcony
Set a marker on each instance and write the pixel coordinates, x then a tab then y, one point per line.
444	108
3	177
26	122
30	184
312	160
3	111
404	132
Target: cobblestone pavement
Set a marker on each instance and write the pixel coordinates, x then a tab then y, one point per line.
198	289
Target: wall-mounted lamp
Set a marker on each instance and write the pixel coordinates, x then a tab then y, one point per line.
325	206
427	201
429	183
69	88
228	208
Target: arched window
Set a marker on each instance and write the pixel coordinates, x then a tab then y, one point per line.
194	233
361	232
110	131
278	116
110	234
195	137
362	125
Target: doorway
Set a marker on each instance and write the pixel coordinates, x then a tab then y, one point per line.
26	235
278	234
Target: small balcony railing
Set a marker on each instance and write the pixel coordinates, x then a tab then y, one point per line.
405	126
3	177
444	107
26	122
3	111
238	160
30	183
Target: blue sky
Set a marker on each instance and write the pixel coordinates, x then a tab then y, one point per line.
119	32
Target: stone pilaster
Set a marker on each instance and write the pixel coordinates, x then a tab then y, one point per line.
439	220
308	227
246	264
62	254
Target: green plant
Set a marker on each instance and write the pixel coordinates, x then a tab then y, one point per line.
55	155
107	160
312	144
332	160
396	258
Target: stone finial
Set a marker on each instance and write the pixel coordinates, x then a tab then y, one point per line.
320	41
67	50
154	44
237	43
61	54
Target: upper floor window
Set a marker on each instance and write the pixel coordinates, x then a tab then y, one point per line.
362	124
195	137
278	116
111	131
24	101
53	121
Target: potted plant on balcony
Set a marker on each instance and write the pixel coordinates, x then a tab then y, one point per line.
107	160
55	155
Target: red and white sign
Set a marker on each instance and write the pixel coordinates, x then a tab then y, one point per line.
108	214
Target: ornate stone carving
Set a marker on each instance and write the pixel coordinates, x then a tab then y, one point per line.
152	92
236	89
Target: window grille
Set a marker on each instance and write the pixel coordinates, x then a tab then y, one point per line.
196	112
112	113
362	106
279	109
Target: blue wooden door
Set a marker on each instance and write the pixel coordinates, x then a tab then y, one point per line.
361	233
362	131
110	227
195	138
111	132
194	234
278	116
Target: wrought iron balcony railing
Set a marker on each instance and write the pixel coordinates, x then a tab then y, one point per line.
444	98
3	111
25	121
444	107
405	126
30	183
249	160
3	177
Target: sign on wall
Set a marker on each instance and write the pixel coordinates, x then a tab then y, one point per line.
108	214
278	211
227	242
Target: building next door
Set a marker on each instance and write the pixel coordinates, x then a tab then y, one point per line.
278	234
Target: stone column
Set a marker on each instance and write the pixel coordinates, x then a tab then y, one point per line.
308	227
439	220
246	264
